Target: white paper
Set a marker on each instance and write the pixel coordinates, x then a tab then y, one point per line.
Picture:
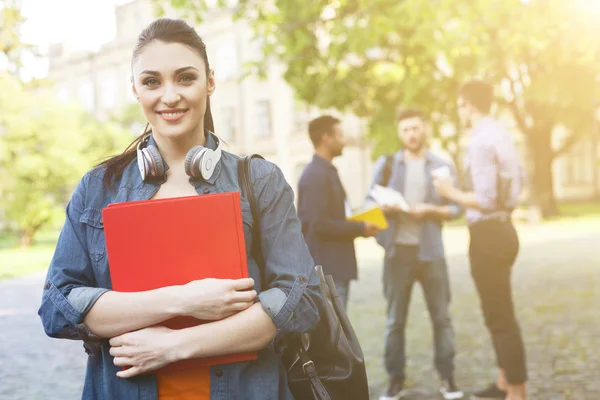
388	197
441	172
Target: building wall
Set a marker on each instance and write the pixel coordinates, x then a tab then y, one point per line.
252	115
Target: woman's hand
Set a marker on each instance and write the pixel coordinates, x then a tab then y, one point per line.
145	350
215	299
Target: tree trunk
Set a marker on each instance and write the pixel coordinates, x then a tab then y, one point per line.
26	239
541	180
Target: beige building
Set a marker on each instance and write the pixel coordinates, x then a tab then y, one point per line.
252	115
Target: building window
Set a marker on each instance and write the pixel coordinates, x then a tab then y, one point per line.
301	117
263	118
227	125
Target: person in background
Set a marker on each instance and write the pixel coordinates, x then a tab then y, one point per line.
414	252
494	177
323	208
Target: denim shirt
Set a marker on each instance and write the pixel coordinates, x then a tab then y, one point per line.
79	275
431	246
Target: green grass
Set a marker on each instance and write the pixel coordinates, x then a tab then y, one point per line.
568	211
16	261
579	210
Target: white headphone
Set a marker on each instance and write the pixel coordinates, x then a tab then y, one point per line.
199	162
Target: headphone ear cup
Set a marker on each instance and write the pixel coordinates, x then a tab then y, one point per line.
157	167
191	161
141	161
208	164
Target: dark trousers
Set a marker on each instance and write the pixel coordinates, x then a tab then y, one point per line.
492	252
399	276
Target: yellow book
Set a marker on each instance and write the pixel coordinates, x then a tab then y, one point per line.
373	215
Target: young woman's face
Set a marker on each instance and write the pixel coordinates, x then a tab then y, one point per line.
170	82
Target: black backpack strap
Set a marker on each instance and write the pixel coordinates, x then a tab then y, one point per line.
245	183
319	391
387	169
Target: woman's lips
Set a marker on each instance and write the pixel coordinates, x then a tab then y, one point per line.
172	116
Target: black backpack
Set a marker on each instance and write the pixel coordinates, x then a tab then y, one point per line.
328	363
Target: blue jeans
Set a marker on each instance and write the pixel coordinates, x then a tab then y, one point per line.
343	289
400	273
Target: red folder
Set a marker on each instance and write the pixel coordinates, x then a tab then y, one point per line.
166	242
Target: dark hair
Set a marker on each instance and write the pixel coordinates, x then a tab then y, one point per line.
321	126
168	31
479	94
406	113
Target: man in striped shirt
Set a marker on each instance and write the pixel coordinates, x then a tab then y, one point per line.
493	175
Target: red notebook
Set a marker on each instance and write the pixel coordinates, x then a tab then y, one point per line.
166	242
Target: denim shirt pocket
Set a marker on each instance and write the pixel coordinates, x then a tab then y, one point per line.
96	242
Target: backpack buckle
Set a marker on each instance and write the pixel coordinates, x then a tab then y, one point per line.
308	364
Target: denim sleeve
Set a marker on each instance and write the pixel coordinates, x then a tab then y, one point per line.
378	167
484	173
64	304
291	292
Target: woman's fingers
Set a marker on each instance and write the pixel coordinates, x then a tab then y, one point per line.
128	373
243	284
123	361
119	351
245	297
241	306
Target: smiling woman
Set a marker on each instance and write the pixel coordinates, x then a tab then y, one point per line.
179	155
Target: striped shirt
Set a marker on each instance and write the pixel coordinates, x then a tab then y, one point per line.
493	171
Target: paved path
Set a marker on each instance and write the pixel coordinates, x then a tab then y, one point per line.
557	294
557	291
32	365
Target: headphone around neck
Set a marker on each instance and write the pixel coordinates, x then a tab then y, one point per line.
199	162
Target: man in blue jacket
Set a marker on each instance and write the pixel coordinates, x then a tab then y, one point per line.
414	252
323	208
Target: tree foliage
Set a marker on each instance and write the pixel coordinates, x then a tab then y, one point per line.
370	56
45	148
12	47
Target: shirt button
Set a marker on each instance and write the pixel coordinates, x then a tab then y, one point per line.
302	279
47	285
219	373
206	191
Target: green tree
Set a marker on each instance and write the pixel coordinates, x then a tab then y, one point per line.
130	117
12	47
369	56
45	148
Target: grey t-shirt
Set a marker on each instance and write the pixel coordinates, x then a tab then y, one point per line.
408	231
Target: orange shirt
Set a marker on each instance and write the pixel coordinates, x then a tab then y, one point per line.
184	385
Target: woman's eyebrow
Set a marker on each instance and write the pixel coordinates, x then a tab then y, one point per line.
177	71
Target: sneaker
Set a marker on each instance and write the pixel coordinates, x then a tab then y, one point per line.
395	390
450	391
491	392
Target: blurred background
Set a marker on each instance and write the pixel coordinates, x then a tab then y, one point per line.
66	103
